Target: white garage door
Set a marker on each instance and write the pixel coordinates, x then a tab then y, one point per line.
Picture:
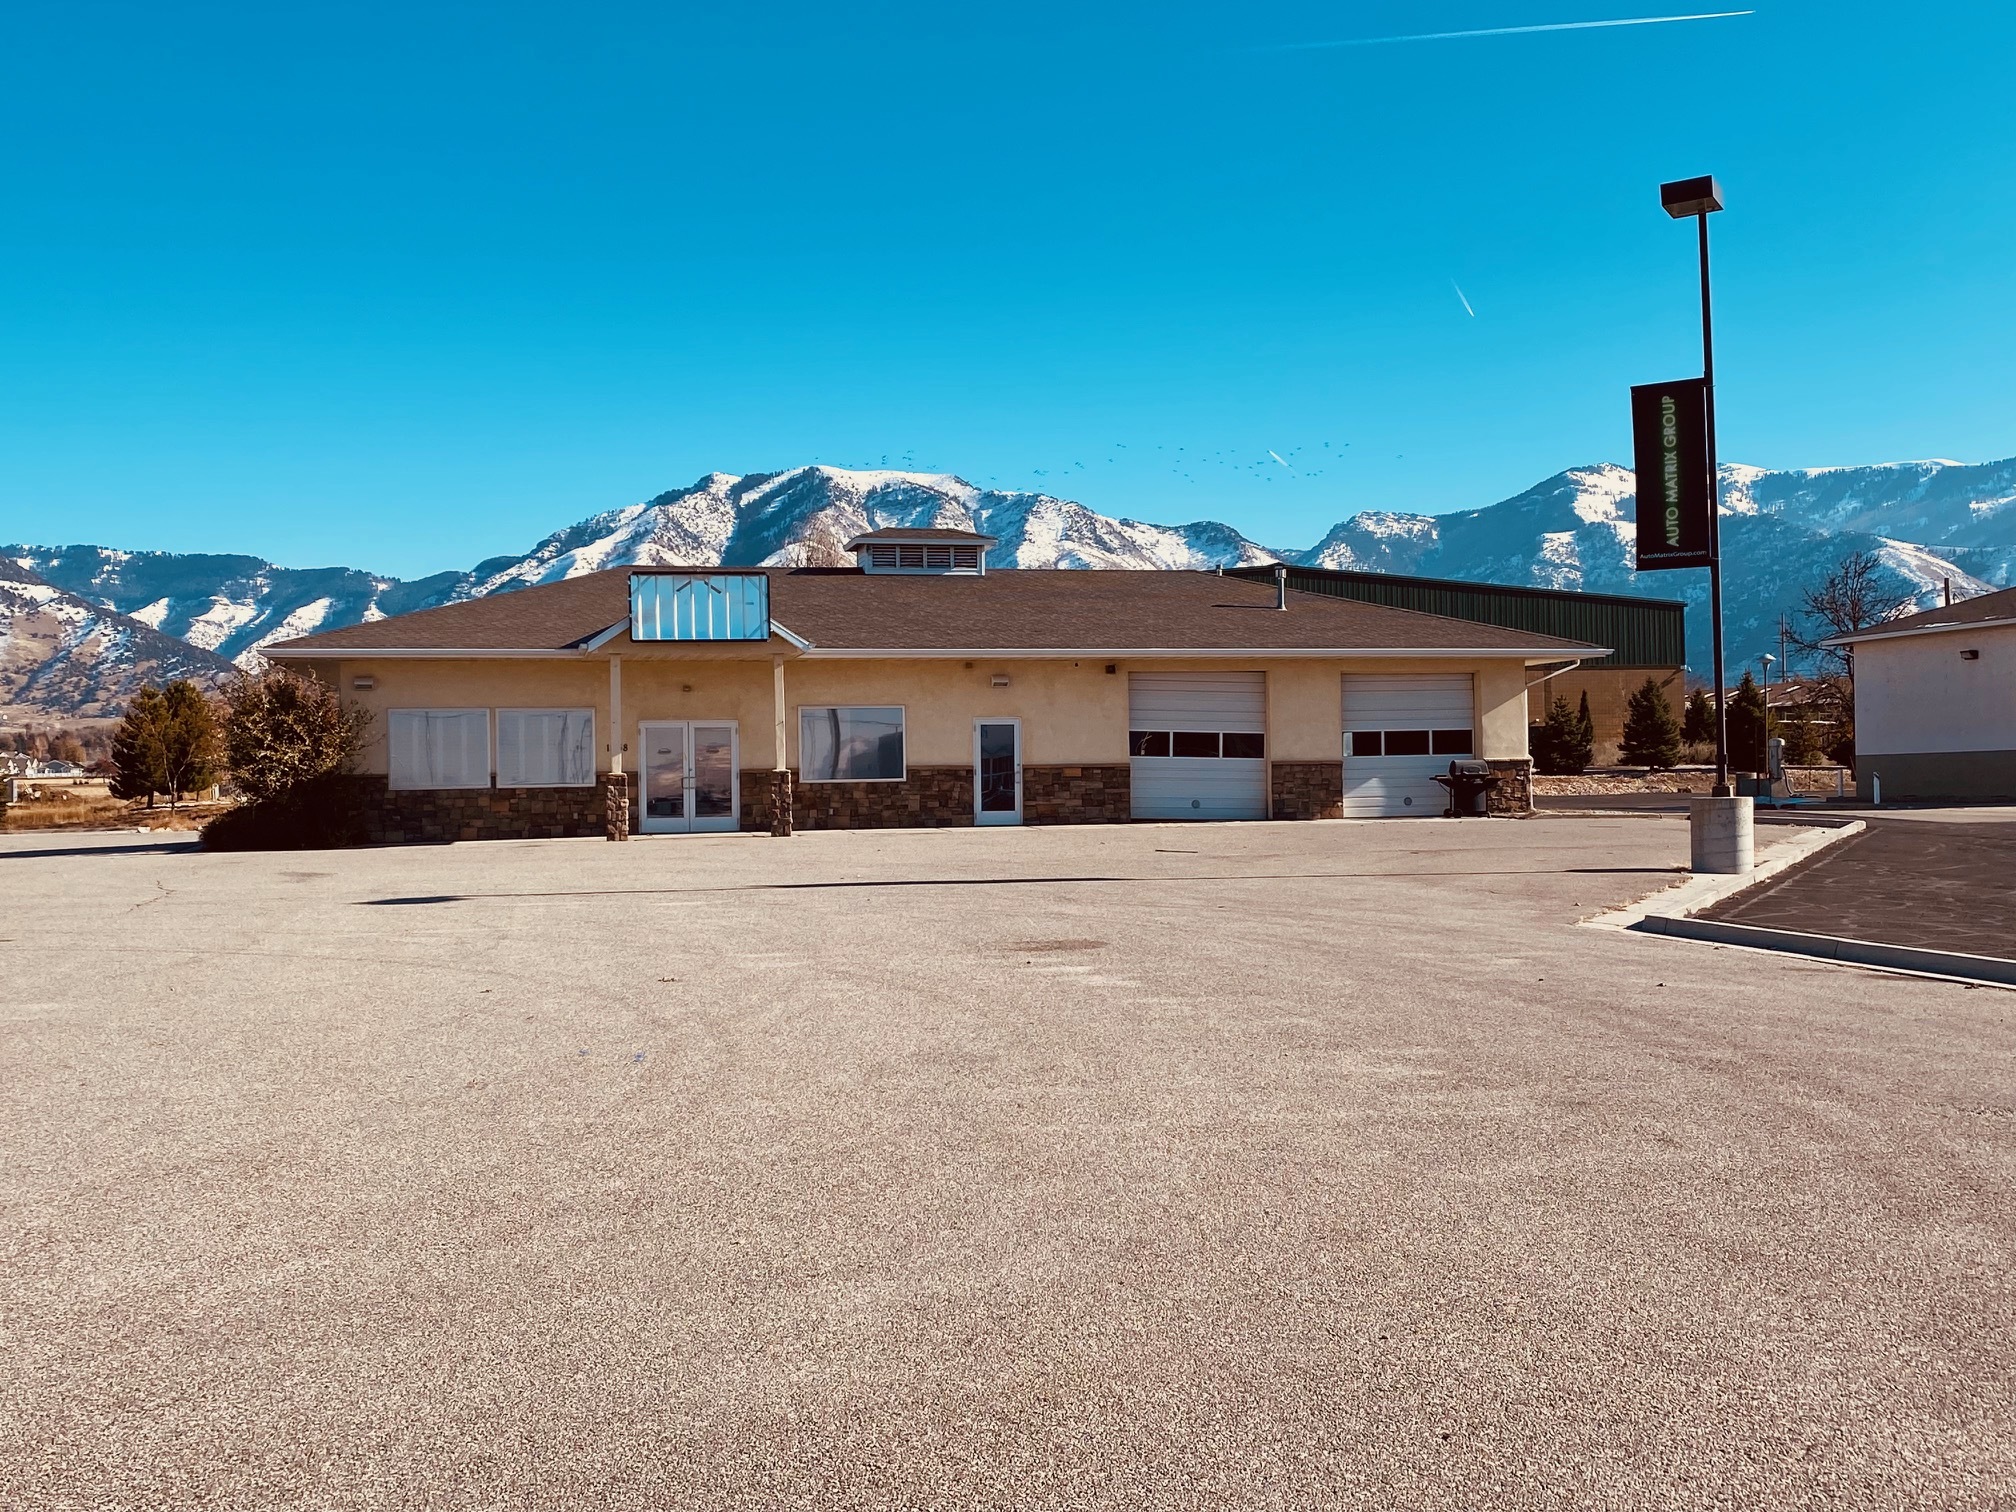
1199	744
1399	732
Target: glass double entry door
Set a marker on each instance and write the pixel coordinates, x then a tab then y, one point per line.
689	773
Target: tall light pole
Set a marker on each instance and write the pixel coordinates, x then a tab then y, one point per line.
1701	198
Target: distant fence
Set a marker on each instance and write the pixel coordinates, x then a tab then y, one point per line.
1833	781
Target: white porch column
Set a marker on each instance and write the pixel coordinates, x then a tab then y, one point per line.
780	771
616	714
616	795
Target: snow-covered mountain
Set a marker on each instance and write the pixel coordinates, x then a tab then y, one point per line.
788	518
1929	521
233	605
61	654
229	605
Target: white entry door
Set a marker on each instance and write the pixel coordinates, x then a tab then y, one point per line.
689	776
1198	744
1398	733
997	771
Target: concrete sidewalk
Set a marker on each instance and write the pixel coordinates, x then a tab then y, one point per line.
1320	1165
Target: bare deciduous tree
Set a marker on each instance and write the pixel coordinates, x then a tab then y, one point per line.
824	546
1859	592
283	729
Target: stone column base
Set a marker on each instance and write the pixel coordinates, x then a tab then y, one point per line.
780	805
616	805
1514	793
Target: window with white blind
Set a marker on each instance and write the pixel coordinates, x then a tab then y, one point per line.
438	748
545	747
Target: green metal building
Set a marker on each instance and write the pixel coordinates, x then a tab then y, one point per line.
1648	634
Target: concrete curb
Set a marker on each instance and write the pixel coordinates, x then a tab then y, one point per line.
1940	963
1698	893
1669	913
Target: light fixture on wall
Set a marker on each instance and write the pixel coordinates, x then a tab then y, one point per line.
1000	679
363	684
1970	655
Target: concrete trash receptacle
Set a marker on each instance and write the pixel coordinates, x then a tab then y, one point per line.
1722	835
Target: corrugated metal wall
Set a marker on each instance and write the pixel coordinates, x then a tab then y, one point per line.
1644	632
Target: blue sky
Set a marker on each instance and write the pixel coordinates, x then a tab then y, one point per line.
404	286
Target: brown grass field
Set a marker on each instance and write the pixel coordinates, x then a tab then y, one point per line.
63	805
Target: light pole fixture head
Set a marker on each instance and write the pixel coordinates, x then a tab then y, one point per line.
1695	196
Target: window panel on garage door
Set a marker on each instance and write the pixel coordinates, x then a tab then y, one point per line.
1399	732
1199	744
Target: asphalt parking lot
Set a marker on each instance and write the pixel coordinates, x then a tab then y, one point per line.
1931	879
1270	1166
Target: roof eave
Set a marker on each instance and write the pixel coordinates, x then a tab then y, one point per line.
1856	637
1505	653
1527	654
593	643
457	653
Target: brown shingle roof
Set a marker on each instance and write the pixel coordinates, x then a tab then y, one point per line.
927	533
840	609
1980	609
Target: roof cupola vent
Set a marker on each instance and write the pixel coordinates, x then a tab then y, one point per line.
922	551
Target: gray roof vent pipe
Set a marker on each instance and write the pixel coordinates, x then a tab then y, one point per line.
1281	585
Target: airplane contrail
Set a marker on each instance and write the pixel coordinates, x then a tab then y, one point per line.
1278	458
1504	31
1465	298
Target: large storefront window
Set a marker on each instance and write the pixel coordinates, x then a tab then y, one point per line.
850	745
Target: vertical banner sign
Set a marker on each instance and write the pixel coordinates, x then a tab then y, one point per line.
1676	496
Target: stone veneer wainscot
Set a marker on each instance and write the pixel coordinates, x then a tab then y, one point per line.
518	813
1077	794
1307	789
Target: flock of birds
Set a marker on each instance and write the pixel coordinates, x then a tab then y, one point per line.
1188	465
1182	462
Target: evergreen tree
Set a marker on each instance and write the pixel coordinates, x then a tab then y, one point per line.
166	745
139	760
1549	740
1746	726
1801	736
1698	727
191	752
1540	746
1585	735
1651	733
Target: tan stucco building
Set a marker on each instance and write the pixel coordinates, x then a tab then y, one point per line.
918	690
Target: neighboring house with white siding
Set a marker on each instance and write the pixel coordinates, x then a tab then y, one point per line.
1935	701
918	689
